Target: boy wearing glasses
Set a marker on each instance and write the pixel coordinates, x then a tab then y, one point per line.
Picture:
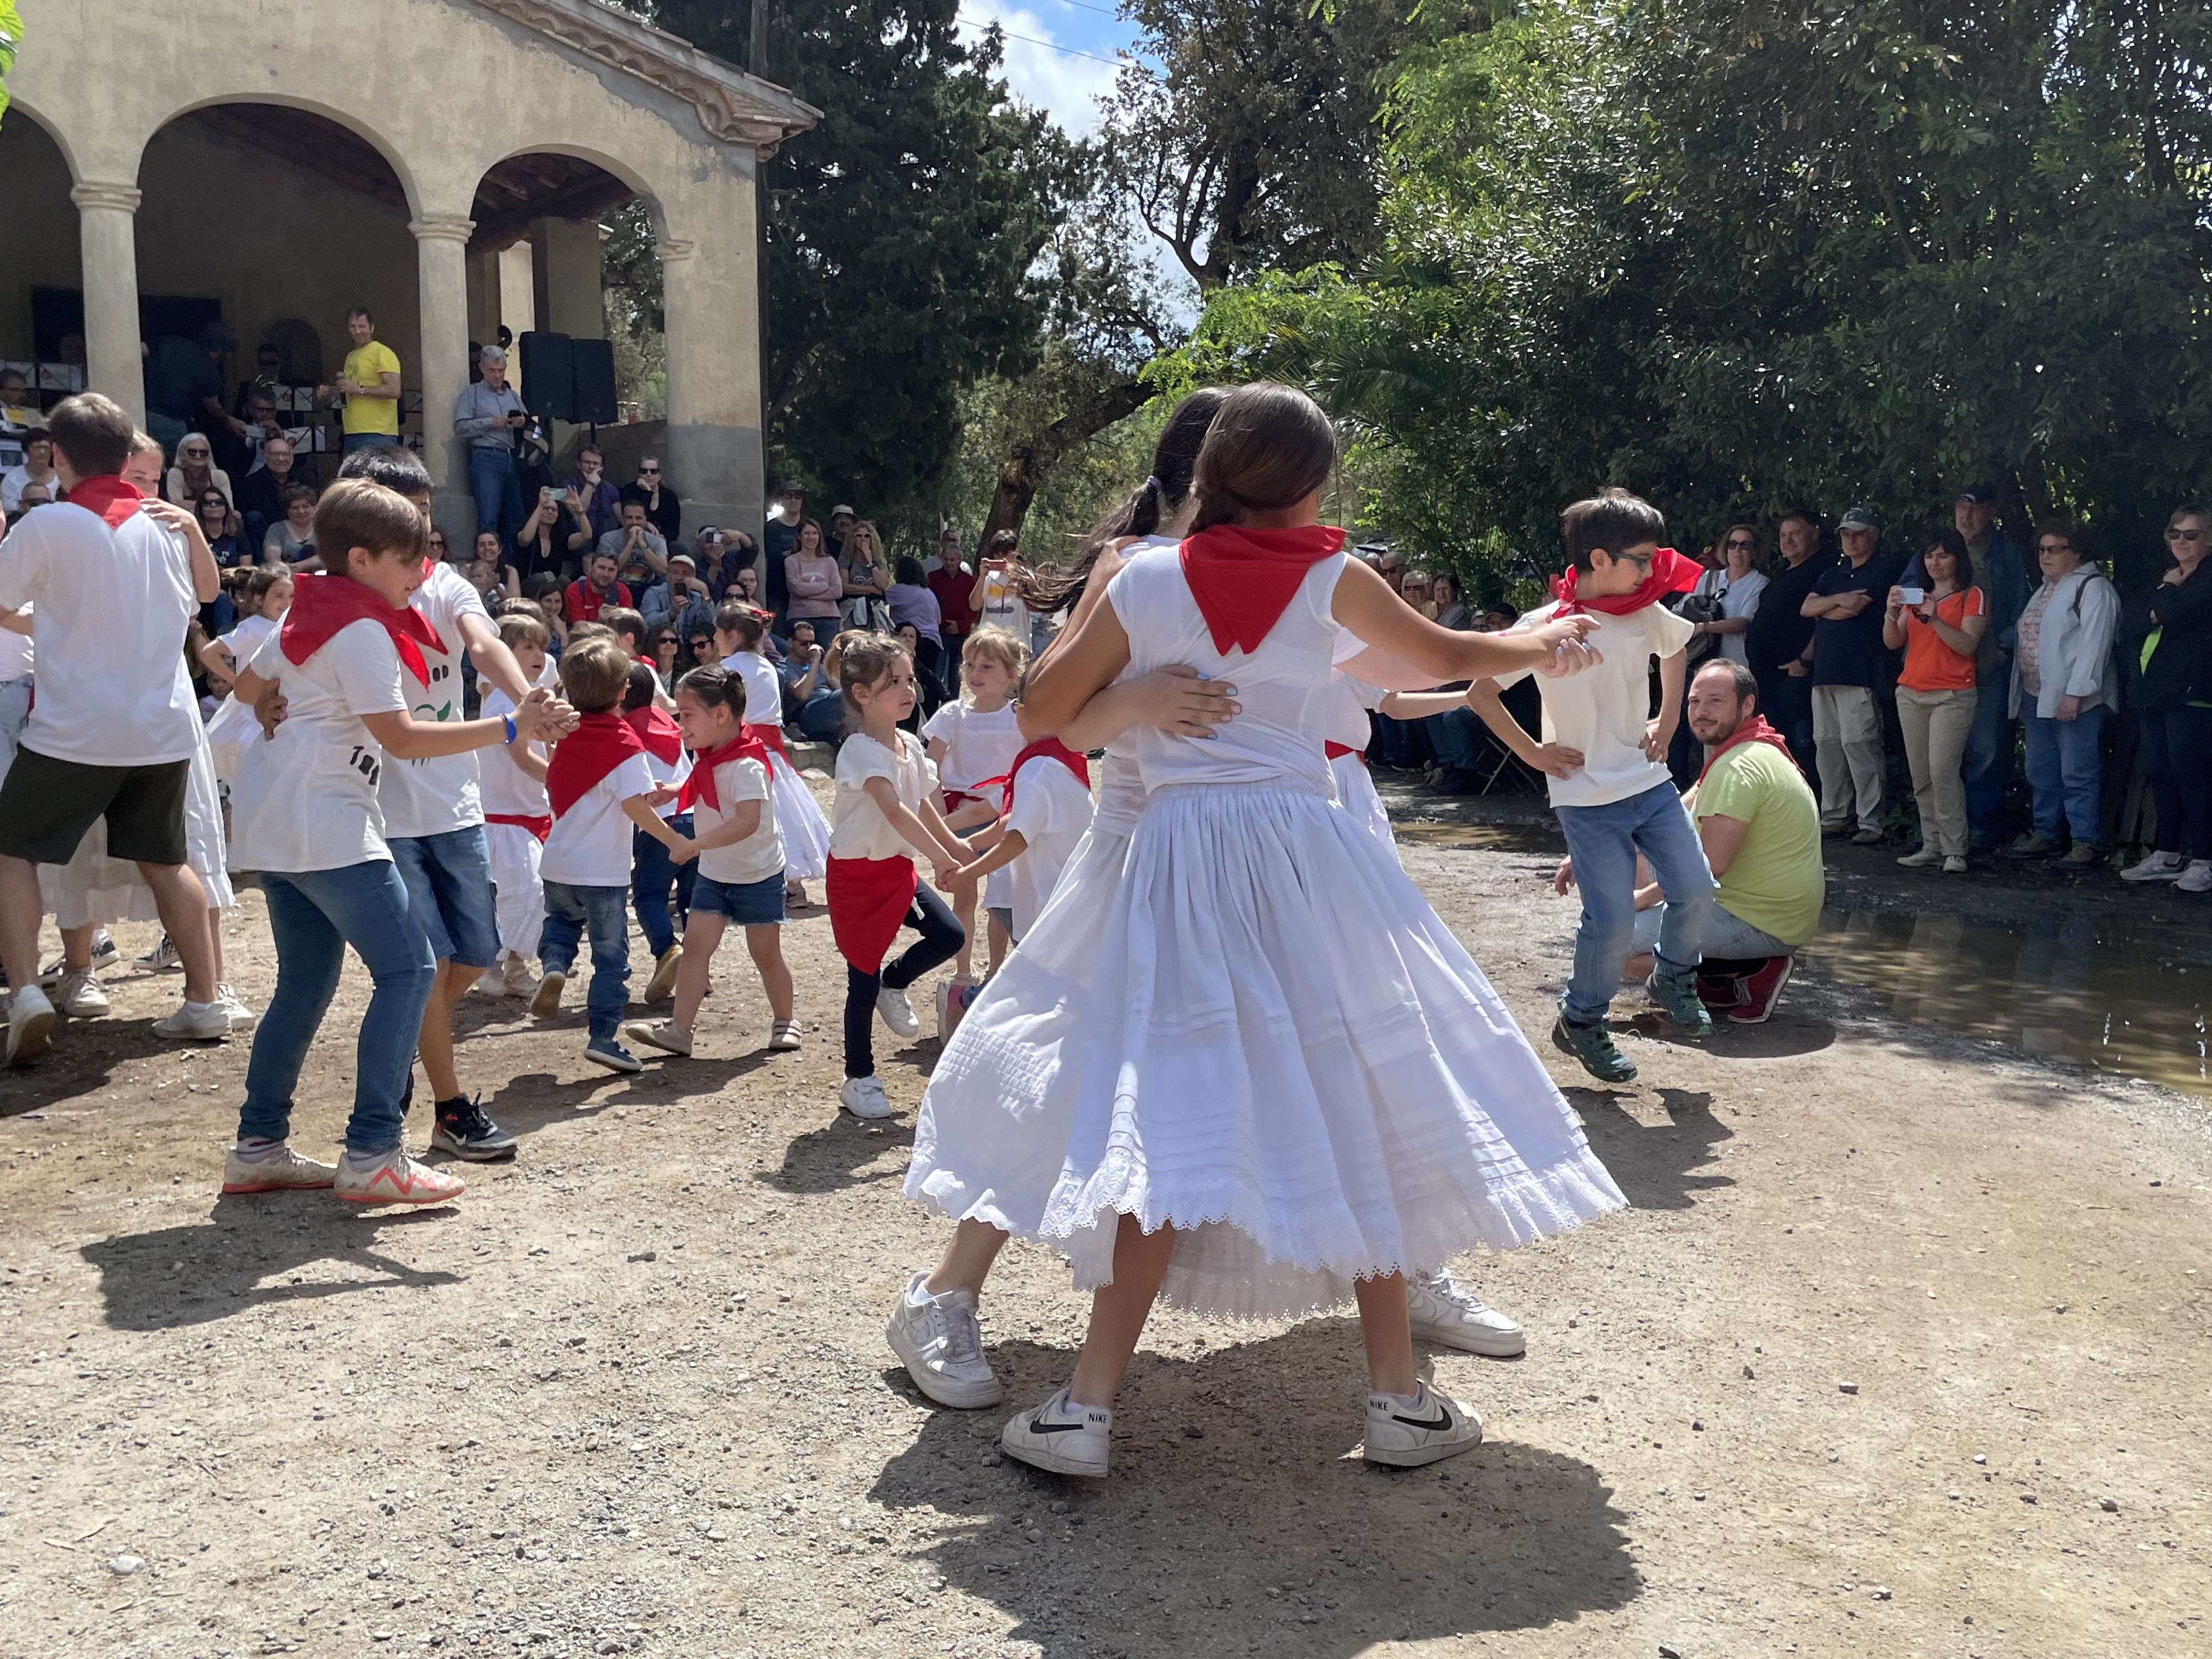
1605	752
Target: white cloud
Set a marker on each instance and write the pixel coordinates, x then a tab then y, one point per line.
1064	87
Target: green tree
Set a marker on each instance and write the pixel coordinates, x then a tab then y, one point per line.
11	36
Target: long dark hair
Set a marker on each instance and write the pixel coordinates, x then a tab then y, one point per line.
1962	564
1151	504
1269	447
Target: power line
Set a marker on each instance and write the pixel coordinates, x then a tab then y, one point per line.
1030	40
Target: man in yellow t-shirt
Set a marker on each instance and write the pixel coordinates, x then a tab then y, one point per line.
1761	826
370	384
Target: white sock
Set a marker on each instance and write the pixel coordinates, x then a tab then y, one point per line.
254	1146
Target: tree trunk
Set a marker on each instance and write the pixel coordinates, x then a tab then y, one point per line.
1026	464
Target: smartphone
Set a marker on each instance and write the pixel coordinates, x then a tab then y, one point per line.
1913	595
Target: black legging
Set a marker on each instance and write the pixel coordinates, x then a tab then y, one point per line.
941	934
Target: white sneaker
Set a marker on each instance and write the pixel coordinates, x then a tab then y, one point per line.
783	1036
664	1035
1426	1429
2196	879
937	1339
276	1168
1953	864
1450	1317
195	1022
520	980
863	1097
395	1178
161	959
79	995
31	1022
1921	859
242	1016
898	1013
2159	867
1059	1436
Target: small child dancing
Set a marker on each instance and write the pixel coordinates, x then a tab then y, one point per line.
740	860
737	632
972	742
518	817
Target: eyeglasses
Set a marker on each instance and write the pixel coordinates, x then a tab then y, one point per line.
1742	543
2054	547
2184	535
643	471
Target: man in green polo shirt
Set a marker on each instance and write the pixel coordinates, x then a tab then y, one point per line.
370	382
1761	830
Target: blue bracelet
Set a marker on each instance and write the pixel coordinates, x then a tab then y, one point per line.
510	728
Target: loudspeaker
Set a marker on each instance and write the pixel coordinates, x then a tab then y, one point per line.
593	381
548	376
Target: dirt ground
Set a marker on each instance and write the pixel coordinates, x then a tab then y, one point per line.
1900	1352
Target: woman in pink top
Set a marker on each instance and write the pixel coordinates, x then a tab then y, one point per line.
816	582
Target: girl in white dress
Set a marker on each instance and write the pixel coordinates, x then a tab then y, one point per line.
1259	1073
798	820
972	742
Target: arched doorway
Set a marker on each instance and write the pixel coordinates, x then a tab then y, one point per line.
41	281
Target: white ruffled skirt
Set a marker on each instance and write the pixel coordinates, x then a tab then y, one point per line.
1255	1028
798	820
1355	788
92	887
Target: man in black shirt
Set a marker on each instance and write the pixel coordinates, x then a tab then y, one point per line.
1850	668
1778	644
663	512
183	386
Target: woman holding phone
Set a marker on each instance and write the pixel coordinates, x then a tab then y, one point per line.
1938	628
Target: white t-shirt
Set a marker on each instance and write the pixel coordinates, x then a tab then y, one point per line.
1739	598
16	655
977	745
1602	711
505	787
590	846
431	797
1051	810
760	854
243	641
1001	608
763	694
858	827
306	798
113	608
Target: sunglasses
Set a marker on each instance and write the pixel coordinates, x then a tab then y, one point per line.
2184	535
1740	543
2054	547
644	471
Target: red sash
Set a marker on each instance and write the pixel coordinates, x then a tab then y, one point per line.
112	496
1243	577
657	730
322	605
868	901
1337	751
540	827
770	738
582	760
1047	748
1754	730
1672	572
700	786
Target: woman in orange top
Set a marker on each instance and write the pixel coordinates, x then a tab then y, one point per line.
1938	627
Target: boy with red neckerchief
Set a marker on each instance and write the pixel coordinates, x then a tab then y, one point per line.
1606	756
351	653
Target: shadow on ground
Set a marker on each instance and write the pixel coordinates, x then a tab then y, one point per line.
1231	1479
1655	1165
315	1246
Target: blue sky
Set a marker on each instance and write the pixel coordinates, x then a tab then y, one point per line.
1060	82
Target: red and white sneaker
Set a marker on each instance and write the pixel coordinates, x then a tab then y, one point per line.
395	1178
1762	989
276	1168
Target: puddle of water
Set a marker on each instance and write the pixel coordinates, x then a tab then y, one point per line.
1491	837
2051	989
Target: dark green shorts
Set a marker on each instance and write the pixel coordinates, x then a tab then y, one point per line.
47	805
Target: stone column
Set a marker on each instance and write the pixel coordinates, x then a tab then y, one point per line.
441	265
712	300
107	229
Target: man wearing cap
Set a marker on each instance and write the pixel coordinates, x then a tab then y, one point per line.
842	520
486	417
662	510
1850	668
779	538
370	382
682	602
2002	574
183	385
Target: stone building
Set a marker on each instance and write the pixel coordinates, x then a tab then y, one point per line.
443	162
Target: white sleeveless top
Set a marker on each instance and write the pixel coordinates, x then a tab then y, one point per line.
1283	688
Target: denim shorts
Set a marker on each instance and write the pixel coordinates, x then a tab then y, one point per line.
449	892
748	904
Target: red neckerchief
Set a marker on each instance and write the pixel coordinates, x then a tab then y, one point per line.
700	786
1754	730
657	730
322	605
1337	751
581	760
1243	577
110	495
869	899
1671	573
539	824
1045	748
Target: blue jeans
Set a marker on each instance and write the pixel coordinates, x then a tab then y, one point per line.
313	915
653	874
570	913
1456	736
354	441
2066	773
497	487
448	880
1988	763
821	716
1603	841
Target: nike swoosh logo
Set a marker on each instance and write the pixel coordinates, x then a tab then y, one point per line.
1054	1428
1444	1421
